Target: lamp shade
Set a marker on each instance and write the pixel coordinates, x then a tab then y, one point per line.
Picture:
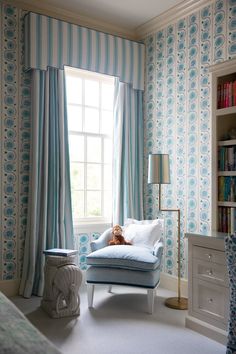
158	169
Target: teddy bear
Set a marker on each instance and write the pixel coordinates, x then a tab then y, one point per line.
117	237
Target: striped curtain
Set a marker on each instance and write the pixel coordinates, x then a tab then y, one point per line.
128	153
49	222
54	43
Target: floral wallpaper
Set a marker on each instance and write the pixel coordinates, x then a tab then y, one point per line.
178	116
82	244
15	142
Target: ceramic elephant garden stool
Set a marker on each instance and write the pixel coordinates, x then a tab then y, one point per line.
62	282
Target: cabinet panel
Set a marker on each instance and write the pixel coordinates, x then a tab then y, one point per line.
209	271
210	255
210	300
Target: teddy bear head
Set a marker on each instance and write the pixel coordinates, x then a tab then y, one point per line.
117	230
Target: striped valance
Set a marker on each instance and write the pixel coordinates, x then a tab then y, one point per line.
55	43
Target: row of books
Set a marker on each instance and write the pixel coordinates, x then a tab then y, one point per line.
226	94
227	189
226	219
227	158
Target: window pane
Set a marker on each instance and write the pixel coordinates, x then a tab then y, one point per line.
73	89
91	93
107	122
78	204
91	120
107	150
93	149
93	203
107	177
74	118
108	204
77	175
107	96
93	176
76	148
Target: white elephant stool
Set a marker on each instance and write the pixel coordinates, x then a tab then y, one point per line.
62	282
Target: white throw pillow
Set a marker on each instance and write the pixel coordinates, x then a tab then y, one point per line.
143	222
143	235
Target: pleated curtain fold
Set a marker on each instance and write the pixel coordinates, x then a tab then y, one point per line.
49	222
127	153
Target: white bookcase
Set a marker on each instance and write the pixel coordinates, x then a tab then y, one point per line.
223	146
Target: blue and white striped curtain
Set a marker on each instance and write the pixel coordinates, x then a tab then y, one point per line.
49	223
128	153
54	43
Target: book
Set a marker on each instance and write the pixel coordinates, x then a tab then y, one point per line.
230	94
234	93
226	94
232	220
221	187
60	252
219	96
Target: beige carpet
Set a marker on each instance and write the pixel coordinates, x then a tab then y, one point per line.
118	323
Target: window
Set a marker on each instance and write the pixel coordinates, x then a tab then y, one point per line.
90	125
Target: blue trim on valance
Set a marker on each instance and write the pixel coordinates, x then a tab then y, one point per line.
55	43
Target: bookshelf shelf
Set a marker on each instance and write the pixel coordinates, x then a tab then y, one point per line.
227	204
227	142
226	111
223	147
227	173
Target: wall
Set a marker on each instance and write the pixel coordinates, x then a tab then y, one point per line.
178	115
176	69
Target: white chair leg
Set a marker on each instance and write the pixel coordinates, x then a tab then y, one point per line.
109	288
150	297
90	293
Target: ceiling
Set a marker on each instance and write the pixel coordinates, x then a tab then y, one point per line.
128	14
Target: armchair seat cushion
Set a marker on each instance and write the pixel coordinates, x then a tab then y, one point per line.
124	257
108	275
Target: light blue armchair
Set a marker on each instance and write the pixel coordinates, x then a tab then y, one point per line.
124	265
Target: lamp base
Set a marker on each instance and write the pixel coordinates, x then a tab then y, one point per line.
177	303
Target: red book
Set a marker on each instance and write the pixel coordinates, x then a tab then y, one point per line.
230	94
225	95
219	96
234	93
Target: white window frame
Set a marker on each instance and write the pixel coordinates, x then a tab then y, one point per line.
101	79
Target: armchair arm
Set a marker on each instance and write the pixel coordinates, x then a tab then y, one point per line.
158	249
102	241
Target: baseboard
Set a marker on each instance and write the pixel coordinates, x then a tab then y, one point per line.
10	287
170	282
217	334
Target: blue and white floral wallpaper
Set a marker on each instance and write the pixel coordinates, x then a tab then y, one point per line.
82	244
14	142
178	116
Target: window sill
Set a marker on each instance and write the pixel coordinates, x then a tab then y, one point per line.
95	226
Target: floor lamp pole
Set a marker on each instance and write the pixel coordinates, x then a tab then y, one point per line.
178	303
